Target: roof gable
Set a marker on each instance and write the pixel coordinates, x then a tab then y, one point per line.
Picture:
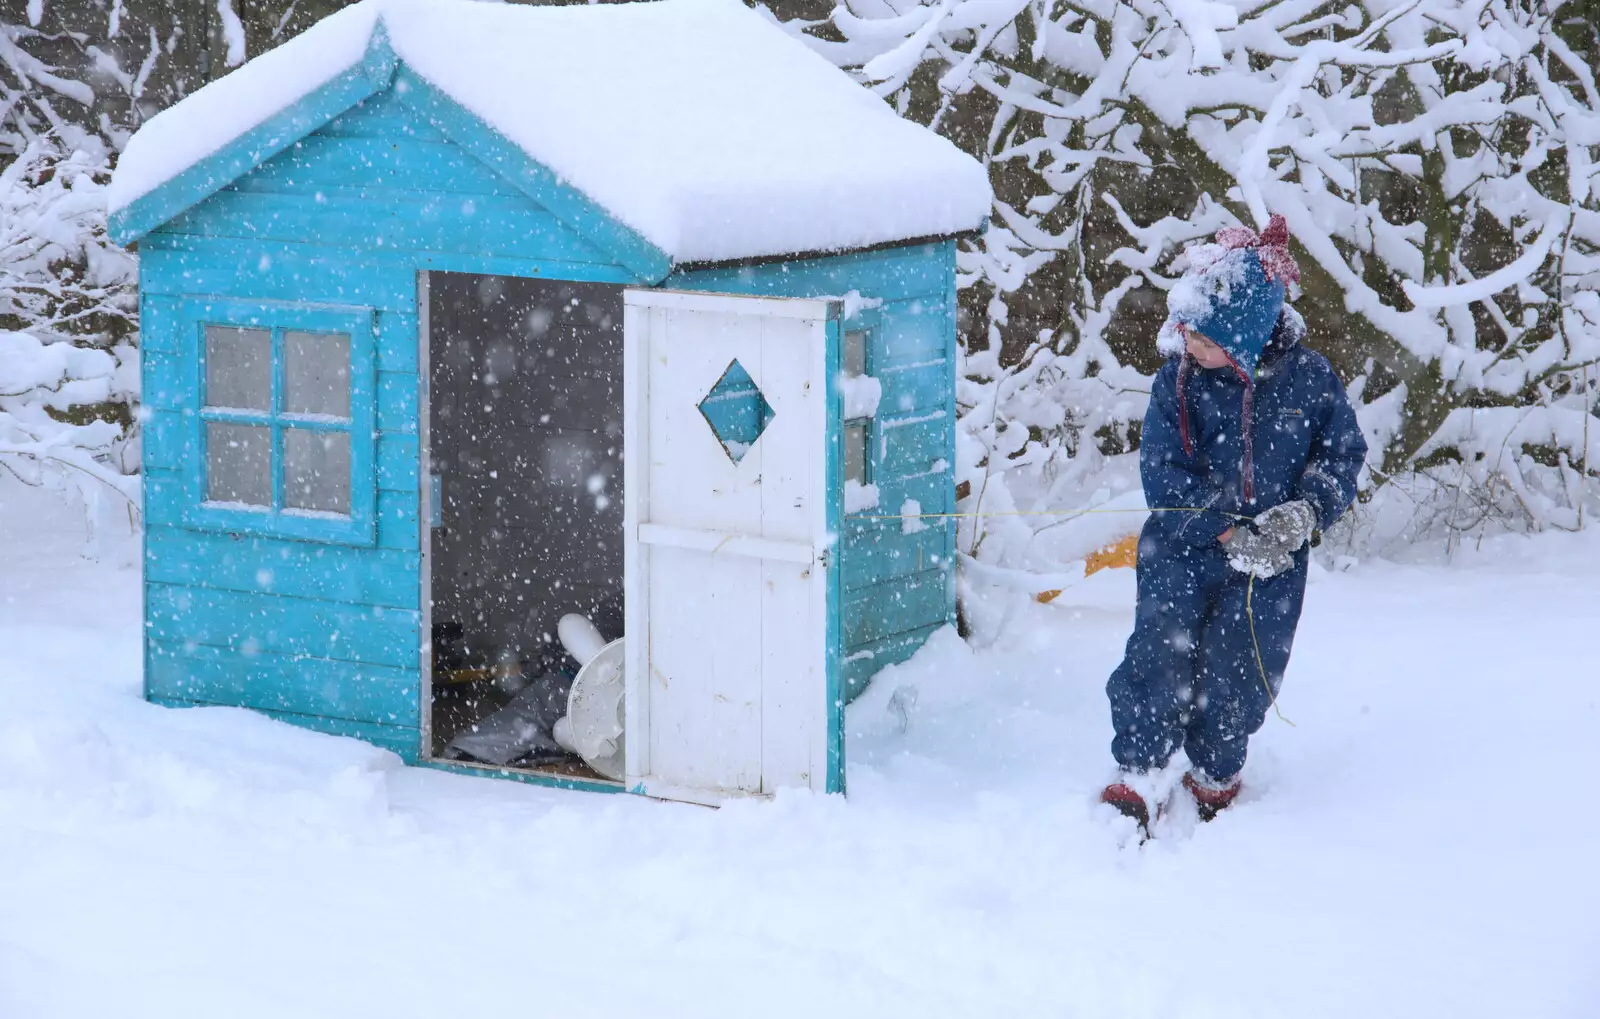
692	130
134	215
379	71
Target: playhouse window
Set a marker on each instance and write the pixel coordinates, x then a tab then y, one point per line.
309	423
854	359
238	464
853	364
239	368
286	420
855	452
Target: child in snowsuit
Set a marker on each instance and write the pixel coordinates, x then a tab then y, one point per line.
1251	434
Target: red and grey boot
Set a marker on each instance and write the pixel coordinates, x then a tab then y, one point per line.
1128	802
1211	796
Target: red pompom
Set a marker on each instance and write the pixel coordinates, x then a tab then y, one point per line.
1276	234
1279	264
1272	245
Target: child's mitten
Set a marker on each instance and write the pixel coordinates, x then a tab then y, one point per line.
1267	545
1252	552
1288	526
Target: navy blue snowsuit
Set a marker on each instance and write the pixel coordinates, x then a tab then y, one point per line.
1190	678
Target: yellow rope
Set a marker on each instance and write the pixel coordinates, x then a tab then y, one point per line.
1249	614
1045	513
1249	591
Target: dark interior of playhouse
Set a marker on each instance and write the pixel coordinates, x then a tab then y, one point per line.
525	462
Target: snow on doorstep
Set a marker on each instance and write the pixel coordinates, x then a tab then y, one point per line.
697	123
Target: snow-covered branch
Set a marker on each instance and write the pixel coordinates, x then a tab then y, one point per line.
1437	161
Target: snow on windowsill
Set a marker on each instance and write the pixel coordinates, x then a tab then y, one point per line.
859	498
309	514
250	507
861	395
855	304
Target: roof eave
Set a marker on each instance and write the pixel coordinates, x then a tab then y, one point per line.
970	234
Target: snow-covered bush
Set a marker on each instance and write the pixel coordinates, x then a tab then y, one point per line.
1436	161
46	439
68	303
59	274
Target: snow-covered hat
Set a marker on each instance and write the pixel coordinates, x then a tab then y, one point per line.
1233	292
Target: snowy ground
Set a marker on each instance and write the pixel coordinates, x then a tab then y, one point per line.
1423	843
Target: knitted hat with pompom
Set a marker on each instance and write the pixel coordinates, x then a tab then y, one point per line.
1233	292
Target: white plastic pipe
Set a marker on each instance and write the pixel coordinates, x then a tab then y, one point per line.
579	637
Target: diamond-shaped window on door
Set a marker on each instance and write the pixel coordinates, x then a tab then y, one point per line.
736	411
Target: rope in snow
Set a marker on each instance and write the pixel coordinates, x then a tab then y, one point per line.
1249	591
1272	698
1046	513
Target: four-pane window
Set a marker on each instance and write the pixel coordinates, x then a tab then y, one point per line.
277	420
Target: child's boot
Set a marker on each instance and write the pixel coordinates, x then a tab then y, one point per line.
1128	802
1211	796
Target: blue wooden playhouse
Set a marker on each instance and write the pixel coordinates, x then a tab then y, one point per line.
458	317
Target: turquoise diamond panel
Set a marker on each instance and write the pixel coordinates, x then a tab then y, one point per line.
736	411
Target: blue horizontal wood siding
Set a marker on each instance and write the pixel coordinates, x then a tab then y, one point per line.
325	572
272	682
391	221
255	622
911	445
867	660
384	117
645	262
179	264
882	610
323	164
889	274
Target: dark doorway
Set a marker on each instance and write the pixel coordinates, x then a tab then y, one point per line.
525	423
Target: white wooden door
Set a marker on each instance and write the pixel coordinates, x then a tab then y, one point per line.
730	504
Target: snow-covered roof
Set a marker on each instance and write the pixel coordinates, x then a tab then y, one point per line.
699	124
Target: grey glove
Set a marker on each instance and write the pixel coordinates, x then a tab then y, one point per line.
1289	525
1249	552
1266	547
